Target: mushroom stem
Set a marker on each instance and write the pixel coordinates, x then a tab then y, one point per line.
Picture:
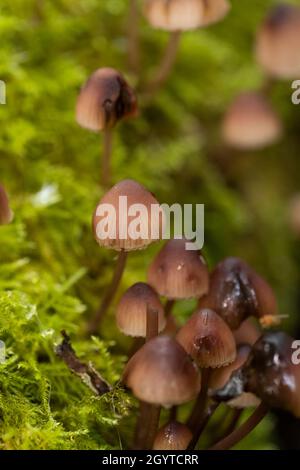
152	323
154	415
106	158
166	64
201	425
238	434
199	408
169	307
108	298
141	431
133	37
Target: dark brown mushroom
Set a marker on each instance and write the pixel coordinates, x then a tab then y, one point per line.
172	436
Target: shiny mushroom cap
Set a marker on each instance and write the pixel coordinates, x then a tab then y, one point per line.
104	100
173	436
251	123
133	307
6	214
208	339
178	273
123	219
162	373
184	15
278	42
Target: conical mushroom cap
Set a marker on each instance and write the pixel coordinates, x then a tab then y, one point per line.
132	310
173	436
178	273
278	42
183	15
6	215
251	122
114	226
162	373
104	99
208	339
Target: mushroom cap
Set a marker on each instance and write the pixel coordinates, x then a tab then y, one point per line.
117	229
162	373
271	374
208	339
132	310
173	436
251	122
247	333
278	42
178	273
105	99
6	214
184	15
238	292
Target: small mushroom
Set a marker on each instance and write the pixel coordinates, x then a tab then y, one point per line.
173	436
247	333
278	42
251	122
6	214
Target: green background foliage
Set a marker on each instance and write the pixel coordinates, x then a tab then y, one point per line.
52	273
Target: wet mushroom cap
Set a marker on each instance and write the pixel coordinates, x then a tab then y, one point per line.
208	339
104	99
6	215
173	436
178	273
132	310
271	374
184	15
113	225
278	42
251	123
162	373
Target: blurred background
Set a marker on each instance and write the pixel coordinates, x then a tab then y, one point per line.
52	273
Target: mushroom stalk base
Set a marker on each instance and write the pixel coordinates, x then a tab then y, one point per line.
199	407
106	158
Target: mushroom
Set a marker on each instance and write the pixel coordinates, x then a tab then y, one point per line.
124	221
6	214
172	436
278	42
251	123
161	374
247	333
140	312
105	99
238	292
177	16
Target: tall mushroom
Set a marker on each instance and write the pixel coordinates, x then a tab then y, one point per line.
105	99
124	221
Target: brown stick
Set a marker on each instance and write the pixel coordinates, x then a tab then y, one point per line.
133	37
106	158
86	372
108	298
166	64
238	434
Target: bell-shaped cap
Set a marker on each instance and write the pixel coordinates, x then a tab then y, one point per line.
105	98
208	339
184	15
179	273
162	373
173	436
127	217
133	307
278	42
238	292
251	123
6	214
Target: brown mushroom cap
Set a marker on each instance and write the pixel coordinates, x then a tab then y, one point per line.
6	215
162	373
183	15
251	123
132	310
149	227
178	273
173	436
278	42
238	292
247	333
208	339
105	99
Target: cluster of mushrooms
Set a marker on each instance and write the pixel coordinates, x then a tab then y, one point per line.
222	353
